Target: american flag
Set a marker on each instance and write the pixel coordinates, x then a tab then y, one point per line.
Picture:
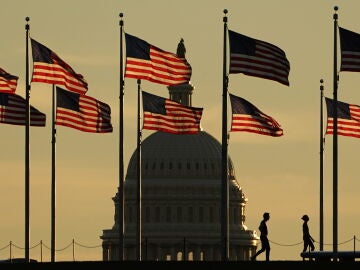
169	116
145	61
348	118
350	50
49	68
258	58
246	117
8	82
82	112
13	111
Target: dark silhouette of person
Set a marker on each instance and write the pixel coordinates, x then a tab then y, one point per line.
265	245
308	240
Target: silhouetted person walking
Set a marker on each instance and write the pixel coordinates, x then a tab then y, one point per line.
308	240
265	245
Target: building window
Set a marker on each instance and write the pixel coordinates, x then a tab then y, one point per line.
201	214
170	166
190	216
188	165
179	166
157	214
168	214
179	216
211	215
236	215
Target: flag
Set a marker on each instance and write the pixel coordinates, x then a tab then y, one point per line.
246	117
82	112
145	61
8	82
350	50
348	118
169	116
13	111
258	58
49	68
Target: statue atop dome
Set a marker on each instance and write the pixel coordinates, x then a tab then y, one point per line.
181	50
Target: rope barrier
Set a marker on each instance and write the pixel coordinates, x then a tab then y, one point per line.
4	247
187	242
300	243
81	245
286	245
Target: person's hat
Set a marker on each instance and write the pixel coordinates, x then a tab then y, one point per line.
305	217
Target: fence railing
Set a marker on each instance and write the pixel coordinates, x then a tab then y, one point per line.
41	245
10	248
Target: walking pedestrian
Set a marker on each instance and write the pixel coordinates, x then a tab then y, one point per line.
265	245
308	240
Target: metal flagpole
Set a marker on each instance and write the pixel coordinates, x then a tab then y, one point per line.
27	147
121	149
138	232
224	178
53	182
321	167
335	145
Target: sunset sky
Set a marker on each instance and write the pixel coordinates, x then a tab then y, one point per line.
279	175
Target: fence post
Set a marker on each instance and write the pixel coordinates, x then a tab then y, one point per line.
73	251
10	251
354	246
41	252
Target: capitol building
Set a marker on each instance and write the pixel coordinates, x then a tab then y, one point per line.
181	200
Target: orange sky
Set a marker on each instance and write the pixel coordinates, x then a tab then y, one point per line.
278	175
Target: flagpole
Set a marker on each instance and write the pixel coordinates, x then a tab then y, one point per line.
321	168
27	147
121	149
53	184
224	178
138	232
335	145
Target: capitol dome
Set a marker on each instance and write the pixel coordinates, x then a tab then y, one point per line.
172	199
180	200
180	156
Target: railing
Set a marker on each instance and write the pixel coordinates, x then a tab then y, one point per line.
353	239
8	251
41	245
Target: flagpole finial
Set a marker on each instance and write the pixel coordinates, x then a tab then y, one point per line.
335	14
27	19
225	18
321	86
121	15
